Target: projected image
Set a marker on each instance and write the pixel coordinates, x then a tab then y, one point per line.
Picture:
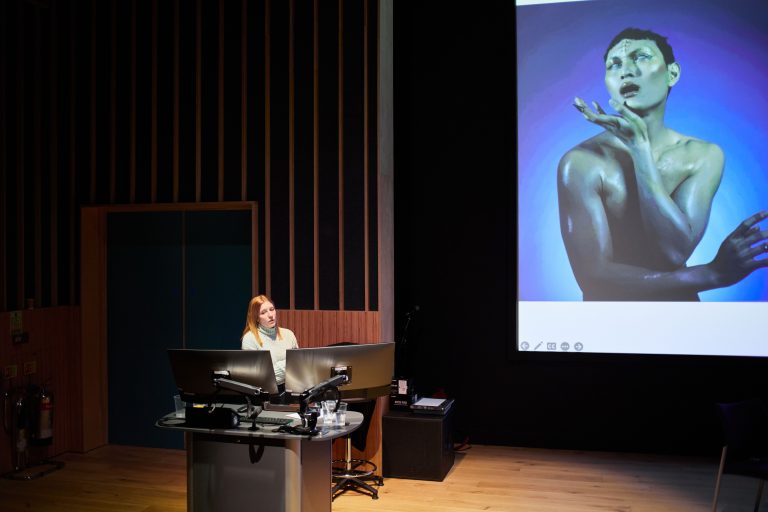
649	185
635	199
642	175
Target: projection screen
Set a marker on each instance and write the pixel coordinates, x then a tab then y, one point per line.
621	223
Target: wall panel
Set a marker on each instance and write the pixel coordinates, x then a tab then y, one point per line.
314	328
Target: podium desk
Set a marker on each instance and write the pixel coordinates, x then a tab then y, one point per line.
237	469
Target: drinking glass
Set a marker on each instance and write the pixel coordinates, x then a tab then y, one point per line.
341	414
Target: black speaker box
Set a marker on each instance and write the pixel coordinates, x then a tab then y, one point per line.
417	446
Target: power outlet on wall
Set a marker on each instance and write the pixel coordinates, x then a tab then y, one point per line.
10	371
30	367
21	337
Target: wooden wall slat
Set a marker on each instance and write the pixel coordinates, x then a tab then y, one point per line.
53	186
385	169
20	181
254	251
37	164
291	162
267	152
198	99
366	170
132	114
316	154
220	144
341	151
3	157
153	121
112	104
72	170
244	101
92	108
176	109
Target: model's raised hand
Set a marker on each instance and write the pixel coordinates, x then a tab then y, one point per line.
739	253
626	125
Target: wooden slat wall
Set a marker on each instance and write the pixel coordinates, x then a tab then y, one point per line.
107	101
99	97
314	328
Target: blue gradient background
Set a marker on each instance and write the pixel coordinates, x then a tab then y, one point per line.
722	48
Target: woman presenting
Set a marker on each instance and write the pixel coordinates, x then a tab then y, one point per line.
262	333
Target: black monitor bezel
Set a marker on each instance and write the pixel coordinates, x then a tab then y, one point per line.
372	368
193	373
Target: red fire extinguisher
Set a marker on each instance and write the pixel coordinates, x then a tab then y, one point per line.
43	431
41	416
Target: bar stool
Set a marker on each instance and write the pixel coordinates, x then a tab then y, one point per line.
355	474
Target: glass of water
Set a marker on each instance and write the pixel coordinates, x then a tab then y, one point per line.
341	414
328	411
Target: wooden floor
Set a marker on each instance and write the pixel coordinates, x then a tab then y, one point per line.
489	478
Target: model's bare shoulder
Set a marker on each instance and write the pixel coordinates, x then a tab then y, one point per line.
707	150
584	163
693	148
702	156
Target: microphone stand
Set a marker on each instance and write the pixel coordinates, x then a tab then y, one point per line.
404	340
403	368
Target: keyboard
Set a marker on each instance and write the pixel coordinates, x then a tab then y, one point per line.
281	407
263	419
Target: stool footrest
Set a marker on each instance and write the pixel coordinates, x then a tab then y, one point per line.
342	468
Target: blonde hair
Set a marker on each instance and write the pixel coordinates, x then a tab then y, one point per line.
252	318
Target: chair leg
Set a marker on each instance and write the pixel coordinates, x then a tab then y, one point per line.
719	477
354	484
759	494
352	478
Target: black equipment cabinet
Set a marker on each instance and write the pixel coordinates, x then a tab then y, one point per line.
417	446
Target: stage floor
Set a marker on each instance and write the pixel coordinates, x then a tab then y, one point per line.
490	478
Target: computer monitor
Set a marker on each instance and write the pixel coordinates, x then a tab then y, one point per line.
370	367
193	371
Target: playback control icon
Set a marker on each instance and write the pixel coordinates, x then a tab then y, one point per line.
551	346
